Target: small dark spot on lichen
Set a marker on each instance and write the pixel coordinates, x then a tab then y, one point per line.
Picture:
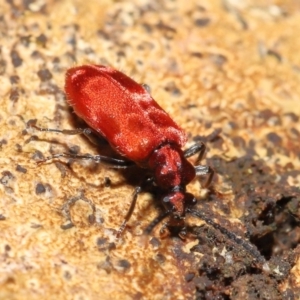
7	176
3	142
42	39
162	26
67	275
293	116
160	258
67	226
36	54
21	169
62	168
49	88
91	219
155	242
44	75
25	40
274	54
124	263
38	155
197	54
14	79
40	189
105	265
35	226
173	89
107	182
239	142
202	22
266	114
12	122
148	28
218	59
111	246
101	241
274	138
2	66
295	132
14	94
16	59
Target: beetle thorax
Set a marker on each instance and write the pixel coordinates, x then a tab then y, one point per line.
171	169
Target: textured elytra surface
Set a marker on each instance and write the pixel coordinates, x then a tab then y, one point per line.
230	66
121	110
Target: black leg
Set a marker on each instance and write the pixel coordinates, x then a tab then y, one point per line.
130	211
200	170
156	221
93	136
85	131
203	171
197	148
113	163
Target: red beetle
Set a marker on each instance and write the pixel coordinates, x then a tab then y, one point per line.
124	113
136	127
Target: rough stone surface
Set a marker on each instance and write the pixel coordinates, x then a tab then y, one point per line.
229	65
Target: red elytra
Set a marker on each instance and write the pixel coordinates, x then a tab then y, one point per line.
123	112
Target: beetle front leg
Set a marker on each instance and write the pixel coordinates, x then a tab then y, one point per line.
203	171
200	170
130	211
196	148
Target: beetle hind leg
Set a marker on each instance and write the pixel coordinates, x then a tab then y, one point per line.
85	131
111	162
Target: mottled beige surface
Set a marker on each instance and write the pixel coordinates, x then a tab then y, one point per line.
229	61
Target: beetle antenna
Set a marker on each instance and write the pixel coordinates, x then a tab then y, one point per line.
250	248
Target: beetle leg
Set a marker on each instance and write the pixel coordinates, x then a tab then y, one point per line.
93	136
113	163
200	170
85	131
156	221
205	170
164	231
130	211
196	148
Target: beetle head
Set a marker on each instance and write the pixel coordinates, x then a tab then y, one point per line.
176	203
